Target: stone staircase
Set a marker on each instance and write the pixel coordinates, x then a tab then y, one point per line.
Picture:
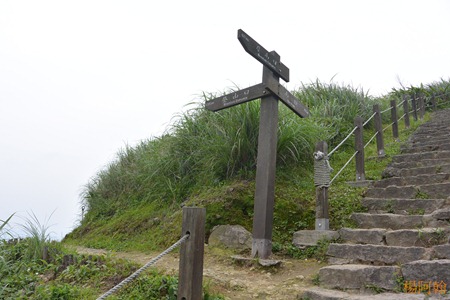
400	249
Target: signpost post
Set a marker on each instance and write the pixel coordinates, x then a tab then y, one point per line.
269	91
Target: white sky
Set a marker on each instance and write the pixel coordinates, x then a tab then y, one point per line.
81	79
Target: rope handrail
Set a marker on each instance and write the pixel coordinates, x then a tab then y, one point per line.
143	268
342	169
442	103
401	103
368	120
388	126
343	141
387	109
371	139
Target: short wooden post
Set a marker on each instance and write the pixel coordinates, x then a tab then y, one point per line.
191	254
45	255
394	119
379	129
359	148
433	102
406	110
421	107
414	107
322	213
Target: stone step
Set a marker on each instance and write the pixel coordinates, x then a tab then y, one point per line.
390	171
412	180
440	131
420	156
424	191
374	236
318	293
359	277
425	237
432	129
438	218
388	221
420	163
425	142
427	271
377	255
427	148
403	206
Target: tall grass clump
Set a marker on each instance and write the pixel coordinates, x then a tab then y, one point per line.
37	237
440	90
336	106
4	231
201	148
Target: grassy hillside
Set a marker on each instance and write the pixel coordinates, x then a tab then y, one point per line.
208	159
205	159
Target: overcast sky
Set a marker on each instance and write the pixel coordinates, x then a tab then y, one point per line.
81	79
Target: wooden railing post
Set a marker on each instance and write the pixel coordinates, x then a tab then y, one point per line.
394	119
421	107
379	130
433	102
414	107
406	110
322	214
359	148
191	254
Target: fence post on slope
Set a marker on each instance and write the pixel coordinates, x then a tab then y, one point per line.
379	129
433	102
414	107
421	107
322	179
394	119
191	254
406	110
359	148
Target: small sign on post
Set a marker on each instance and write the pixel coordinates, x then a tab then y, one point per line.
269	91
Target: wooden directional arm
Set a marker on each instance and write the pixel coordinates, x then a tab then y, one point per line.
238	97
287	98
269	59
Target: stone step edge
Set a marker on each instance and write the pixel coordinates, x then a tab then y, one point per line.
427	237
319	293
403	206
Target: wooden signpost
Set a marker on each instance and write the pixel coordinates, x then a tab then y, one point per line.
269	91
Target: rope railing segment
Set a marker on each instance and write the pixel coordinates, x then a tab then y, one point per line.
388	126
343	141
387	109
368	120
146	266
401	117
342	169
371	139
401	103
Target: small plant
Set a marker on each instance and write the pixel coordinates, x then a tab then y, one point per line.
374	288
421	195
389	207
418	211
316	279
400	283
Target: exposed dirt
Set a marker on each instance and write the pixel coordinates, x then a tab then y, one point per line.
235	280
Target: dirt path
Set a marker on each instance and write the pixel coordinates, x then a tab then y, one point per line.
236	281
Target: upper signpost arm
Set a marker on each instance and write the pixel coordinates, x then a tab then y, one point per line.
263	56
